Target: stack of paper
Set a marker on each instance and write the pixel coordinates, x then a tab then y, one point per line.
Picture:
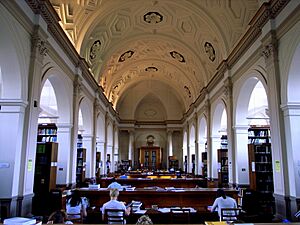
20	221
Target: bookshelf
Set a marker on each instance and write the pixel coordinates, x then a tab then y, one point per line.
81	161
150	157
98	164
80	165
47	132
222	167
204	164
173	163
125	164
260	166
223	162
44	174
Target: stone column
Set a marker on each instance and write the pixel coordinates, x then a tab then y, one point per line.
215	144
292	117
170	145
270	53
74	130
65	162
87	140
197	158
208	137
241	155
39	50
11	130
230	137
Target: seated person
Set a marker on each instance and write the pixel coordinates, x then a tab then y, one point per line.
124	176
223	201
114	184
75	205
58	217
114	203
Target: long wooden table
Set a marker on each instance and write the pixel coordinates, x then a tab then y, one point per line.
198	198
161	182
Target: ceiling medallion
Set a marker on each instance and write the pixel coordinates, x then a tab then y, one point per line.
177	56
210	51
153	17
151	69
95	49
126	55
188	92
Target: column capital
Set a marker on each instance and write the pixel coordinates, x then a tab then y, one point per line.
291	109
39	43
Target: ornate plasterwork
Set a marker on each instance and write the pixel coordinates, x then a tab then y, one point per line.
153	17
184	26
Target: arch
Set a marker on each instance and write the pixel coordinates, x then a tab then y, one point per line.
62	88
253	85
85	107
100	134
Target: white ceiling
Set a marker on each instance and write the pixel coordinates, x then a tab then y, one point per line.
131	43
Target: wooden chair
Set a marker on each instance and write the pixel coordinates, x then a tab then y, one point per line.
114	216
75	217
230	214
180	216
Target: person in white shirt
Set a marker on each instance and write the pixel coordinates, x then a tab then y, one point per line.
114	184
223	201
75	205
114	203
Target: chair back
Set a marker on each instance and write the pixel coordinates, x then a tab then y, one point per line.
114	216
230	214
180	216
75	217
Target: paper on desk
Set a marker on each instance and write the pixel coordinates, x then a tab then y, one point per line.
141	211
164	210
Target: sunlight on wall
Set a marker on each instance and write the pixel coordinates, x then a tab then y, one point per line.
223	129
80	122
48	104
258	106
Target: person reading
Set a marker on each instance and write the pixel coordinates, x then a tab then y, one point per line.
114	204
223	201
75	206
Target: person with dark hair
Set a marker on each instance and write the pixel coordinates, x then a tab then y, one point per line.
75	205
58	217
145	220
223	201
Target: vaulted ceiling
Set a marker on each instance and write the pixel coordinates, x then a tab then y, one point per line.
159	52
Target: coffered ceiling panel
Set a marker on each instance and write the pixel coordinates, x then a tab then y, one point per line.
179	43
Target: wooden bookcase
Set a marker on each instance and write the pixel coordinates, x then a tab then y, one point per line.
98	164
204	164
173	163
223	167
47	132
44	175
260	167
125	164
150	157
80	165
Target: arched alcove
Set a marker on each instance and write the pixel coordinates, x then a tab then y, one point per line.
251	110
85	125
